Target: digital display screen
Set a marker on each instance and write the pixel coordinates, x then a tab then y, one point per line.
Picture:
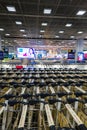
5	51
85	55
71	54
25	53
41	54
80	56
1	55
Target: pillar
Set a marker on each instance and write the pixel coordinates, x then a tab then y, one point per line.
0	43
11	49
79	47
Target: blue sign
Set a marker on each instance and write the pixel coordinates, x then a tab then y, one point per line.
1	55
20	49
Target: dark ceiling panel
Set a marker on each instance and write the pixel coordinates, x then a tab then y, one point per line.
30	13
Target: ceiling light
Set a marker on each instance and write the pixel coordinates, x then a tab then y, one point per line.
56	36
72	36
68	25
44	24
2	40
80	32
22	30
27	41
7	34
1	29
61	31
73	42
42	31
15	40
62	42
47	11
11	8
18	22
81	12
6	42
40	35
24	35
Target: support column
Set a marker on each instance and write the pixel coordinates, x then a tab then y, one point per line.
11	49
0	43
79	47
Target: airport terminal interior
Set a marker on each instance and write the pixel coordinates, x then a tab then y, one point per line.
43	64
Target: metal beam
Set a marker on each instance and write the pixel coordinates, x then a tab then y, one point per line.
48	38
42	16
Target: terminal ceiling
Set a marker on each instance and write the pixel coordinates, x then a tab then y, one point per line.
62	26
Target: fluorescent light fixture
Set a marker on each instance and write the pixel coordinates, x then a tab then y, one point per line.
40	35
24	35
2	40
80	32
18	22
42	31
22	30
1	29
44	24
27	41
6	42
47	11
56	36
81	12
68	25
72	36
61	31
7	34
62	42
11	8
15	40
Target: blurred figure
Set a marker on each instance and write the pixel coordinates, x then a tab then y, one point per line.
31	53
12	57
32	56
